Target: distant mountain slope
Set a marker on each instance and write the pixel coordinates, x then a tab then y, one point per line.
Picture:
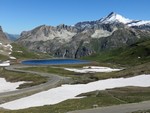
12	37
86	38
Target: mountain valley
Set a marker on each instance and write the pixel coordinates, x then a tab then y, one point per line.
112	41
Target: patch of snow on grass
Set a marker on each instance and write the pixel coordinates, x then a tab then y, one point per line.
64	92
92	69
9	53
6	63
8	86
13	58
20	51
8	46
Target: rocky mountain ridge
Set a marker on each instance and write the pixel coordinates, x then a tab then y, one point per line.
86	38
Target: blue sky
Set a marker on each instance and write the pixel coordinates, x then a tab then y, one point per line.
19	15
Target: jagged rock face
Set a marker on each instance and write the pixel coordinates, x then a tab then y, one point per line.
3	38
84	38
119	38
45	33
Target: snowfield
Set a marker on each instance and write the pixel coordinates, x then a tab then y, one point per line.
5	63
92	69
139	23
13	58
64	92
8	86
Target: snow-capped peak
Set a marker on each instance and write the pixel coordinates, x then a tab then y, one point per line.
114	17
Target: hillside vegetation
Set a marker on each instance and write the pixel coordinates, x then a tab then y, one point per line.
135	58
134	54
20	52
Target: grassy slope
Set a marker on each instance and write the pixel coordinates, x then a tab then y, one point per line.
16	76
3	57
26	54
50	69
127	72
88	77
135	54
76	77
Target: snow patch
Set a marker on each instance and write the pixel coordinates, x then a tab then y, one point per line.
139	23
5	63
8	86
92	69
13	58
20	51
8	46
5	49
64	92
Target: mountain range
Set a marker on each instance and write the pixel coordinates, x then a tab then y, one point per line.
86	38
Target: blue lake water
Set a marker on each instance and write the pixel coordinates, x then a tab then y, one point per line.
54	62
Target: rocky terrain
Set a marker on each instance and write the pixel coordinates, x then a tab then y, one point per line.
5	47
3	38
86	38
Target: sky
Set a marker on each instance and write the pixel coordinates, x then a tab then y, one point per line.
22	15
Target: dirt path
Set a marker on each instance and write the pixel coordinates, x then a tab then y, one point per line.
123	108
53	81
